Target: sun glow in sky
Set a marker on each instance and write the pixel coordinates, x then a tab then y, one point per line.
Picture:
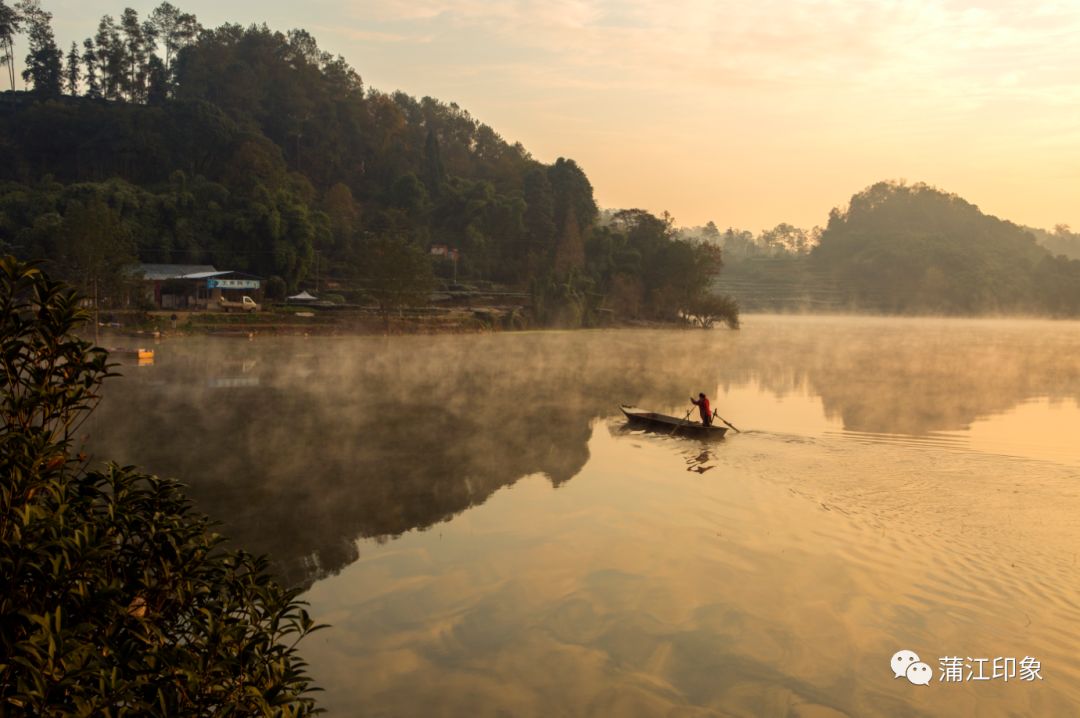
747	114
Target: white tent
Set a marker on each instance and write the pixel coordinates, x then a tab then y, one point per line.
303	297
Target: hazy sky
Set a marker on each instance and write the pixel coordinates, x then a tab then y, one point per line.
745	113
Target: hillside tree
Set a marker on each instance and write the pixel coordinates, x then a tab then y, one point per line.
72	71
10	23
90	63
175	30
44	60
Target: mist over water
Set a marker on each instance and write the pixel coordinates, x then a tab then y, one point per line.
485	535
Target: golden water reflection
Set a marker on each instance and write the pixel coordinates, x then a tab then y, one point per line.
641	588
485	535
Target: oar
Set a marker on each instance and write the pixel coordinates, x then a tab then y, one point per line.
725	421
685	418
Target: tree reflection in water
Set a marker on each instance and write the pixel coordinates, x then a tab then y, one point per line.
302	446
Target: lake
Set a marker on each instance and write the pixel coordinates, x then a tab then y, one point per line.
486	537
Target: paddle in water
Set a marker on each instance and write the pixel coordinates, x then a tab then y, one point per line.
725	421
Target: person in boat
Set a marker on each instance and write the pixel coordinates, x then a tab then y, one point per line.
702	403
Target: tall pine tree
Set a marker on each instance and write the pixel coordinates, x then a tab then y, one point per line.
44	61
111	59
137	46
73	72
90	60
10	23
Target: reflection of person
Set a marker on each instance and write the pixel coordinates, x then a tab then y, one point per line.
702	403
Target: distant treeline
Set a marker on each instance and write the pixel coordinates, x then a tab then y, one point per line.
251	149
913	249
1061	240
784	240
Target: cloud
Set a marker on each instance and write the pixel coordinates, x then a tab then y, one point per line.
857	88
939	48
372	35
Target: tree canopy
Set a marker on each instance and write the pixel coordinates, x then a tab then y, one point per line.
254	149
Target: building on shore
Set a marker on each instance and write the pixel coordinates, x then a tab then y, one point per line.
195	286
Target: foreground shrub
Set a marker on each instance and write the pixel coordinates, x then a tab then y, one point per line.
116	597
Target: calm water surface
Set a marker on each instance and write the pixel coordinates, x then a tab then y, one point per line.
486	537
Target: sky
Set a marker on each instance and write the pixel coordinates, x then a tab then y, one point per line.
747	114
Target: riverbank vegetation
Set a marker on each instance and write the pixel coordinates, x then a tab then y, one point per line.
118	598
158	140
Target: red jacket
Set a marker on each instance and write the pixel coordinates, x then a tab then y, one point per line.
703	403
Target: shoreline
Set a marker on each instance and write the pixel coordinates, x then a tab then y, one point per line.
158	325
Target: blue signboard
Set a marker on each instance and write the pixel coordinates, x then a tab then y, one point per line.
232	283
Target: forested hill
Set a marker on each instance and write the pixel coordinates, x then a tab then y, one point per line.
253	141
253	150
905	249
916	249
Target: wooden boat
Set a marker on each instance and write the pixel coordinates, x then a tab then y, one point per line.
672	425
